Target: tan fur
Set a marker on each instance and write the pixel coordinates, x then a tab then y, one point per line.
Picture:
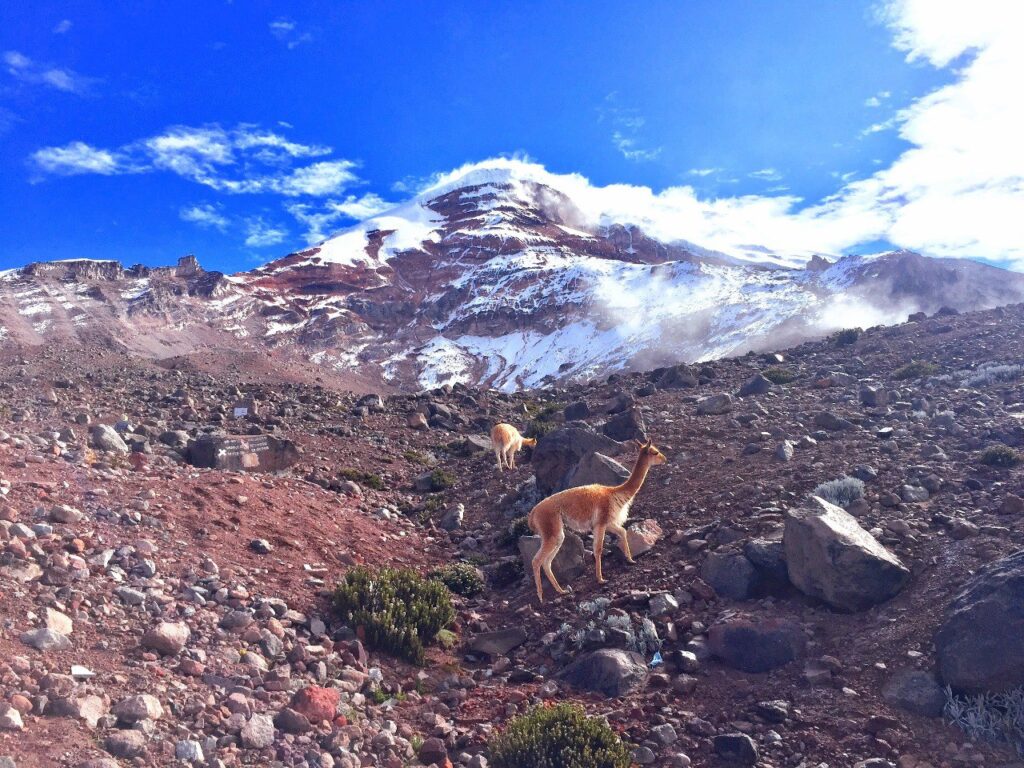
597	508
506	441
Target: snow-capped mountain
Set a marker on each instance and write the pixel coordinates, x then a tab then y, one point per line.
496	276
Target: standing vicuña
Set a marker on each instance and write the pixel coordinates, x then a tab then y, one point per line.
507	440
597	508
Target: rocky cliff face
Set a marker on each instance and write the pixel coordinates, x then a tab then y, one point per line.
495	279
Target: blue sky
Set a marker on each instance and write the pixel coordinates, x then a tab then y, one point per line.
241	131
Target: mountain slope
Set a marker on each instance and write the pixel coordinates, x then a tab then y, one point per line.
493	278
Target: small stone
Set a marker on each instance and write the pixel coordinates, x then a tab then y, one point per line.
125	743
167	637
10	719
258	733
736	747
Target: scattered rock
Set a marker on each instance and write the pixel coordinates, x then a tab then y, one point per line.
610	671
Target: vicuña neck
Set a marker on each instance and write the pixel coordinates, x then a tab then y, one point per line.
636	477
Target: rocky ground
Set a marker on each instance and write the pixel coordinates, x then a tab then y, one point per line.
157	613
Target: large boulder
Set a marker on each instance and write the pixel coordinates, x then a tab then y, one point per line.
980	644
106	438
714	405
830	557
597	468
559	451
627	425
677	377
610	671
915	691
568	563
731	574
259	453
756	647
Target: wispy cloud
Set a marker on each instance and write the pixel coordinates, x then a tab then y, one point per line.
320	220
62	27
766	174
627	126
243	160
260	234
876	100
703	171
288	32
205	215
25	70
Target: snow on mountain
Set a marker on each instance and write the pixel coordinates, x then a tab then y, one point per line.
501	274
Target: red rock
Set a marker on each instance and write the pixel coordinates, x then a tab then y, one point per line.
316	703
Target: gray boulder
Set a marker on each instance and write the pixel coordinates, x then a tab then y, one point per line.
756	647
499	642
730	574
597	468
830	557
980	644
610	671
627	425
714	405
915	691
757	385
106	438
559	451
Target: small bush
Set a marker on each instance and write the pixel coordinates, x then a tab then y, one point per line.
847	336
778	375
538	428
1000	456
506	572
368	479
460	578
562	736
416	457
990	373
916	369
399	611
441	479
841	492
518	527
993	717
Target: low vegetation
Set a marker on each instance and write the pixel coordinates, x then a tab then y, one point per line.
441	479
847	336
778	375
1000	456
560	736
841	492
915	369
395	610
460	578
367	479
994	717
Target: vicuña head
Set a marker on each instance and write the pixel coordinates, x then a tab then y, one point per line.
506	441
597	508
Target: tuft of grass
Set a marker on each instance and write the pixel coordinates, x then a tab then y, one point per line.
397	610
560	736
416	457
915	369
441	479
993	717
841	492
1002	456
779	375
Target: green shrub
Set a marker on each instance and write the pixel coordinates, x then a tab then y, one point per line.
1000	456
558	737
461	578
847	336
778	375
441	479
416	457
399	611
368	479
538	428
916	369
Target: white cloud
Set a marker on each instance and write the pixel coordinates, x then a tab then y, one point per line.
766	174
288	32
877	99
24	69
259	234
627	124
63	27
78	158
244	160
205	215
703	171
320	221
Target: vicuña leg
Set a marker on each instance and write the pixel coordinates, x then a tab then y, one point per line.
598	549
620	534
498	453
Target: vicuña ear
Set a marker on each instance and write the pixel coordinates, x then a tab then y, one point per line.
637	443
649	443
